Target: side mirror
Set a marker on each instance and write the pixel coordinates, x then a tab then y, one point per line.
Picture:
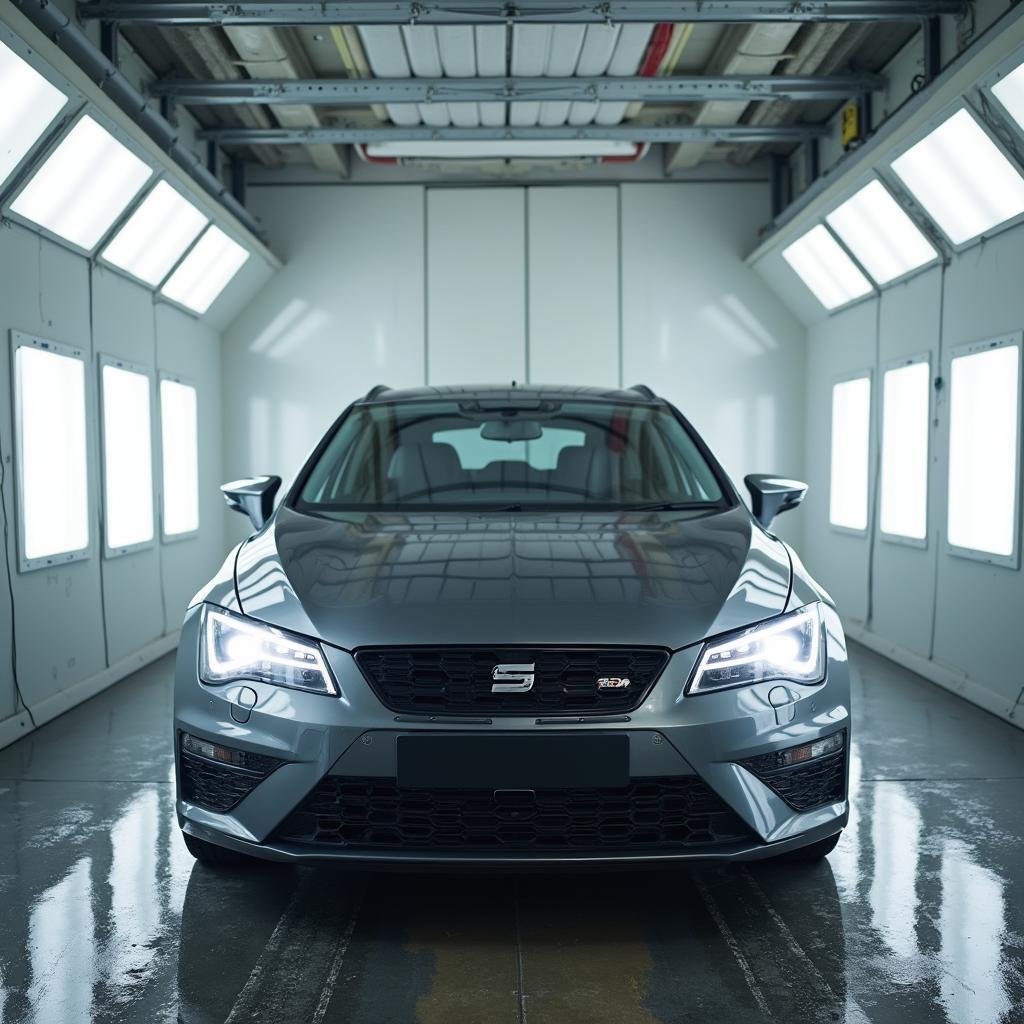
770	495
253	496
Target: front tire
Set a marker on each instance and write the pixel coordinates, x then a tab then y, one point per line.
811	854
212	855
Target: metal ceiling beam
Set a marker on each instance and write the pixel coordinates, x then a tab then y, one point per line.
359	92
464	12
668	132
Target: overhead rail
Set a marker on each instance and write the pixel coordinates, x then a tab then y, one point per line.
359	92
370	134
483	12
52	22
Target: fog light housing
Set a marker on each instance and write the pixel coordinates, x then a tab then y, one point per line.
809	751
247	761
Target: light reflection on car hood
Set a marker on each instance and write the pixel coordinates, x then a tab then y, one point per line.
651	578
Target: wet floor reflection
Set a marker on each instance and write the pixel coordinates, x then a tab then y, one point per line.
916	916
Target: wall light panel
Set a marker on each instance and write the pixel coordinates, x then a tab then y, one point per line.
30	103
851	439
984	446
961	177
127	457
179	442
50	432
903	511
84	186
829	272
155	235
876	229
205	272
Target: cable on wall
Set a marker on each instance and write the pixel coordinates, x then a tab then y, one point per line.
10	591
876	467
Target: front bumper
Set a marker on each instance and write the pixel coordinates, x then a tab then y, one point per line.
355	736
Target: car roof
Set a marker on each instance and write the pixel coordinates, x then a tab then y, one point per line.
639	394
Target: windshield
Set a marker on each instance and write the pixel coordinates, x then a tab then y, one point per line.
480	454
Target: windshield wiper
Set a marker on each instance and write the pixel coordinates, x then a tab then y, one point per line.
670	506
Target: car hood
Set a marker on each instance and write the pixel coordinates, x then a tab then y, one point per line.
667	579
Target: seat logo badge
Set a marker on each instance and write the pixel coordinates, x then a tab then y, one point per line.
512	678
613	682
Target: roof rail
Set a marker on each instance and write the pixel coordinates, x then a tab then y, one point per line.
376	390
643	389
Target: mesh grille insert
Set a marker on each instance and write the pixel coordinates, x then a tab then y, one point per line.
219	787
803	786
649	813
459	680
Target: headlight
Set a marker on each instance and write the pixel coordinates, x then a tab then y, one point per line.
791	648
233	648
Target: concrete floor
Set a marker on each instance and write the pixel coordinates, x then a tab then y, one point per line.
917	916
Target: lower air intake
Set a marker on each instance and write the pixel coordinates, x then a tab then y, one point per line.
665	813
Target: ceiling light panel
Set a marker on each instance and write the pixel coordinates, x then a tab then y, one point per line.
962	179
387	58
155	235
1009	90
491	62
826	269
876	229
504	149
599	44
29	106
626	59
204	273
84	185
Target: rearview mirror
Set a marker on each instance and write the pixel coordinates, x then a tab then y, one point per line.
511	430
253	496
770	495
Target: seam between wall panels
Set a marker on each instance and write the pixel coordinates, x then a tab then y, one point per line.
526	284
618	218
934	446
425	192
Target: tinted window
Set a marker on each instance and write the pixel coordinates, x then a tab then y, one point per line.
485	454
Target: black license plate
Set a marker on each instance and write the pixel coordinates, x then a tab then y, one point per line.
513	762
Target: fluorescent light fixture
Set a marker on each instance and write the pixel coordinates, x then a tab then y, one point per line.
502	149
127	457
822	265
84	186
905	421
204	273
851	433
876	229
30	104
179	440
1009	90
984	440
155	235
52	460
960	176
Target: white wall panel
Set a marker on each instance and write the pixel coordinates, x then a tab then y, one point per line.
66	613
573	293
909	325
187	347
345	313
44	289
123	326
979	608
705	332
956	616
838	560
476	285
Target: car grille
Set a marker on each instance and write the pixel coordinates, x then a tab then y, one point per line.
459	680
803	786
649	813
218	787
